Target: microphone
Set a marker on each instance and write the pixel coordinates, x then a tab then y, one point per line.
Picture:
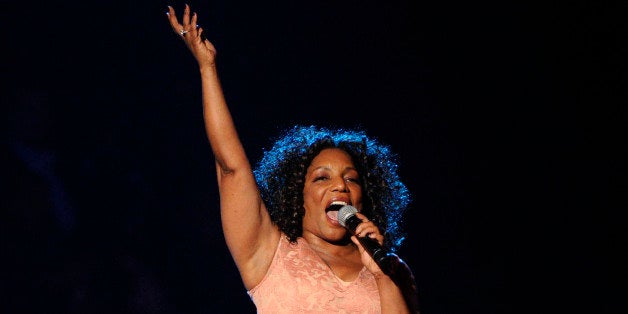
389	262
386	261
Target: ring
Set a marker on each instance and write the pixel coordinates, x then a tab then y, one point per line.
183	32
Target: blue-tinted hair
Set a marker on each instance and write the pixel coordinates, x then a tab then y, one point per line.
280	175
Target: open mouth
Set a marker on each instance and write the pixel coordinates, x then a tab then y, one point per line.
333	208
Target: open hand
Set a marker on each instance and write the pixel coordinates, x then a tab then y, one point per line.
202	49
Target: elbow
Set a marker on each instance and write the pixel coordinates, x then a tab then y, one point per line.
223	169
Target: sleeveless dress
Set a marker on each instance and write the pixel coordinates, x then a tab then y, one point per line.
299	281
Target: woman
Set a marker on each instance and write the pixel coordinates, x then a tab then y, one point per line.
280	220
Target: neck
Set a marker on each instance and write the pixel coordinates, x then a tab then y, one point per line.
343	258
341	248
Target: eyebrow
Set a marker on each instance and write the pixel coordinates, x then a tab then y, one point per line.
328	168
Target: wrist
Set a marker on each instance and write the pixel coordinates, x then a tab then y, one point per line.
209	68
380	276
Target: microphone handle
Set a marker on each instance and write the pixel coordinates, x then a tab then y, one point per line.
384	259
390	264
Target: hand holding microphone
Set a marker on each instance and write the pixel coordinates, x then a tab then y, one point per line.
388	262
385	260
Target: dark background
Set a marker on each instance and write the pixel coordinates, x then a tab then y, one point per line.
508	118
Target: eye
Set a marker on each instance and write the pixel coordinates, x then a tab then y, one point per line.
353	179
320	178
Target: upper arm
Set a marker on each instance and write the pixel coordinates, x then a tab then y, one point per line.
249	232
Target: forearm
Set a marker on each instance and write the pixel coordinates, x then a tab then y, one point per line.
391	297
221	132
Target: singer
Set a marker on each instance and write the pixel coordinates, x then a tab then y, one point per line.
280	218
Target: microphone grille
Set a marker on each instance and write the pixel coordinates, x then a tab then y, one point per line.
344	213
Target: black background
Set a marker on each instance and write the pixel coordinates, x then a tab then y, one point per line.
508	118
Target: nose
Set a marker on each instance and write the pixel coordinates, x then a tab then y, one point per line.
339	185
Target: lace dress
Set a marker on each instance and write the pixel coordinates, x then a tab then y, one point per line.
298	281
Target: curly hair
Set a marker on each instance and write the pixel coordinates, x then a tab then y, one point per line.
280	175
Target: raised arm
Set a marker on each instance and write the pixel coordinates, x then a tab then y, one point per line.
249	232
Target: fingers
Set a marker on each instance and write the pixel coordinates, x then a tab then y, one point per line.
371	232
368	229
186	18
202	36
193	22
188	21
357	243
367	259
172	17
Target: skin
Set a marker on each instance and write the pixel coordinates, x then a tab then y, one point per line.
250	235
332	177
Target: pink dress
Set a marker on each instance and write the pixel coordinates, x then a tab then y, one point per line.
298	281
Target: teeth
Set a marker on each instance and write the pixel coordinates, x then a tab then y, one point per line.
335	206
